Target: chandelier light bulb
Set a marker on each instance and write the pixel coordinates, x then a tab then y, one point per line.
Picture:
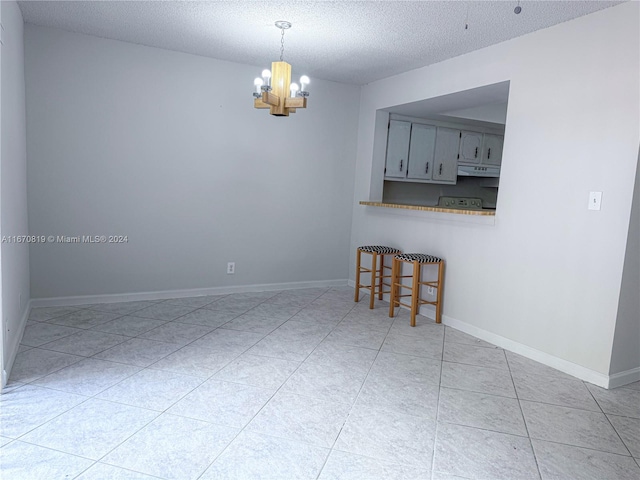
304	81
294	89
266	77
258	84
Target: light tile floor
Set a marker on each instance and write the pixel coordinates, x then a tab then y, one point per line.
299	384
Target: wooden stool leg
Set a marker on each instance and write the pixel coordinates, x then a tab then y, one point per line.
374	269
394	278
439	293
380	277
357	295
415	292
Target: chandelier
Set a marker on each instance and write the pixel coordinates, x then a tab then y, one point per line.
275	90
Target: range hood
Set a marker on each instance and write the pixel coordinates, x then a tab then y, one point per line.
478	171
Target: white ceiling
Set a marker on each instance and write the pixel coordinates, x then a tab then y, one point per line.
346	41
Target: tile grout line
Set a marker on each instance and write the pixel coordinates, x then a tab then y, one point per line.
159	414
302	363
379	350
609	421
94	396
88	398
164	411
346	419
258	412
333	327
524	420
84	357
435	433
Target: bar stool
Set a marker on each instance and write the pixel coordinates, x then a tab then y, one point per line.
377	275
417	260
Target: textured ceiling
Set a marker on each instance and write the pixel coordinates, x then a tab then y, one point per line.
353	42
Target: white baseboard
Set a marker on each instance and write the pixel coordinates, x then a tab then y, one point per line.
13	348
624	378
583	373
565	366
578	371
165	294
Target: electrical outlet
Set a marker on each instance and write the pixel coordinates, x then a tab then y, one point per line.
231	268
430	291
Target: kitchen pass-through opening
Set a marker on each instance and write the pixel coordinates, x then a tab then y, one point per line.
444	151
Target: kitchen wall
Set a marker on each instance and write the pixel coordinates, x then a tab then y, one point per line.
428	194
626	342
167	149
545	278
13	185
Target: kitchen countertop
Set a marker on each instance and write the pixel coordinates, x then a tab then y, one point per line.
457	211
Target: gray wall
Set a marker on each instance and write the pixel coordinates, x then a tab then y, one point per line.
167	148
626	342
13	187
545	278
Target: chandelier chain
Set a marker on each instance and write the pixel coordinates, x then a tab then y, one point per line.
282	45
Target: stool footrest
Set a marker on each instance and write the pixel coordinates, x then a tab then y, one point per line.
403	304
369	286
428	303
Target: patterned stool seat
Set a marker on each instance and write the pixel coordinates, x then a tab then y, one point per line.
420	257
376	273
417	261
379	249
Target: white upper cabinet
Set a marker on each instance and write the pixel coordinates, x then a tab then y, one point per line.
470	147
446	155
492	149
421	151
430	153
397	149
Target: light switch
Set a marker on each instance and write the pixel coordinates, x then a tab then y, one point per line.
595	200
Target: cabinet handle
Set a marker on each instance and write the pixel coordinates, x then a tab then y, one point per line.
426	170
489	154
400	165
476	154
440	171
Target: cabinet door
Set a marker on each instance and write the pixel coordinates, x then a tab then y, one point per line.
492	149
421	151
397	149
446	156
470	147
